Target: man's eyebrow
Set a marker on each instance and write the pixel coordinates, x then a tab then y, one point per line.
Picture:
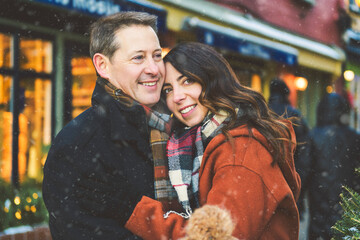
166	84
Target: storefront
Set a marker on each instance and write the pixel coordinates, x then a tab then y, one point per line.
46	74
350	83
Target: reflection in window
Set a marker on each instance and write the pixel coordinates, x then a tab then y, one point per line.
84	79
5	51
36	109
5	128
36	55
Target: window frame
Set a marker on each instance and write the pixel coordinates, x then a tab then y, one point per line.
16	73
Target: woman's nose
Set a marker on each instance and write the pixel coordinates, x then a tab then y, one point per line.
178	95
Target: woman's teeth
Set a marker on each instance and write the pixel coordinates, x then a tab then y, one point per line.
186	110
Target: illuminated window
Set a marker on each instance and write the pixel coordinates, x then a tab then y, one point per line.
35	123
84	80
5	51
256	83
36	55
26	97
5	127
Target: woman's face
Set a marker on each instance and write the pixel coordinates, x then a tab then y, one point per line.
182	97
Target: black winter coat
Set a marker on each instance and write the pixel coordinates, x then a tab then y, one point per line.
279	103
334	151
97	169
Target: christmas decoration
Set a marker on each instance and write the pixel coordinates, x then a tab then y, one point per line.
348	227
23	206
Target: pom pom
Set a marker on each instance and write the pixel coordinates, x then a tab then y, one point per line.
210	222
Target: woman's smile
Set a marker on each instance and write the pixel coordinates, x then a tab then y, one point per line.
182	97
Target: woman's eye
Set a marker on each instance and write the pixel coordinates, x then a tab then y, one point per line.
167	90
188	81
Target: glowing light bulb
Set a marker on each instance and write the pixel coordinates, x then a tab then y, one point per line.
301	83
349	75
18	214
35	195
329	89
33	209
17	200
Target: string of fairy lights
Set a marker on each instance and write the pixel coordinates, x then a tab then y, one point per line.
30	205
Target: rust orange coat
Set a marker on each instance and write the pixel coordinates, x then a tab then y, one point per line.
261	197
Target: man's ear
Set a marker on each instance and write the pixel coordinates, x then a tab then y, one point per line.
101	65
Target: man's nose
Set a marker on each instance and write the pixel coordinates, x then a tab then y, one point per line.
152	67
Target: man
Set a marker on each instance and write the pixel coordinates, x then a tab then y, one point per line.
100	164
334	153
279	103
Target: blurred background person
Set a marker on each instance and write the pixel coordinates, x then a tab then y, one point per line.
280	104
334	152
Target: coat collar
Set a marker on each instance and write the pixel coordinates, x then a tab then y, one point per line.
126	123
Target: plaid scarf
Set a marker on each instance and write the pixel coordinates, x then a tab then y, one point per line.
160	125
159	135
185	150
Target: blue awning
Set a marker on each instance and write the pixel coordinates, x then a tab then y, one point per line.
107	7
145	6
243	43
352	40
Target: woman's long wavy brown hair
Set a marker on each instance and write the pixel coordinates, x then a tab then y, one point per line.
221	89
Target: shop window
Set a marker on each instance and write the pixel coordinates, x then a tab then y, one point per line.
5	51
84	80
35	109
31	106
5	127
36	55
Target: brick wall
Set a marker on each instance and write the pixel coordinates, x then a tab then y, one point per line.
40	233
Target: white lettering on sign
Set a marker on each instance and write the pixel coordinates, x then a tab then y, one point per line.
99	7
62	2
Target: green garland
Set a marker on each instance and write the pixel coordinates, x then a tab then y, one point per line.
23	206
348	227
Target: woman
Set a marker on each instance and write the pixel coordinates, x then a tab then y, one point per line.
227	149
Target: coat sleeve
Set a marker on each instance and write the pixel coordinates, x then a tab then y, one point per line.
251	213
233	187
81	212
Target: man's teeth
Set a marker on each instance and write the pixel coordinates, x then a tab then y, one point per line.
186	110
149	83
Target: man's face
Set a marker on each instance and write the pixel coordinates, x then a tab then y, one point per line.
137	67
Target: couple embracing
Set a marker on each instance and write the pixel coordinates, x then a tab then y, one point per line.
127	169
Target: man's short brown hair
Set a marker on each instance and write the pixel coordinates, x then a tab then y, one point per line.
102	32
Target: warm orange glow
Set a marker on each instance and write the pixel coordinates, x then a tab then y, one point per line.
18	214
256	82
301	83
165	51
35	195
329	89
357	2
349	75
17	200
